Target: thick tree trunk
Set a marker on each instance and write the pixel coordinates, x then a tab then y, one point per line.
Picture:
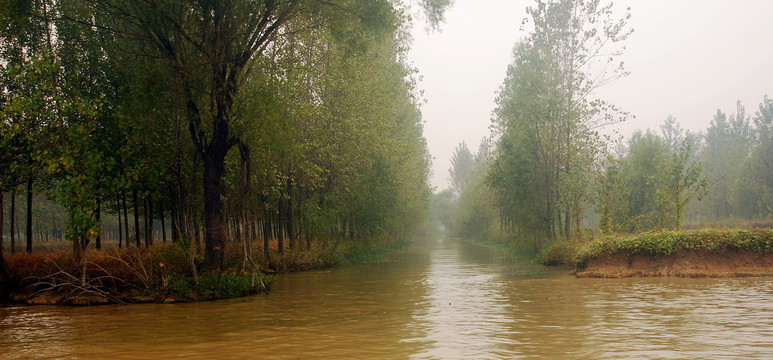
266	236
175	217
13	221
29	214
247	228
148	207
197	235
290	227
3	265
577	221
2	221
76	248
280	228
120	229
136	219
18	232
180	221
98	218
125	218
236	231
161	216
84	242
214	222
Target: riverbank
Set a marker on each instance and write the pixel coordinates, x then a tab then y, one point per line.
694	253
165	273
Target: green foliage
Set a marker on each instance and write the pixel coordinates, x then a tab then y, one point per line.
658	181
682	182
641	181
650	183
441	207
54	128
664	243
474	212
726	150
468	208
546	118
759	168
462	167
434	10
214	285
145	99
560	253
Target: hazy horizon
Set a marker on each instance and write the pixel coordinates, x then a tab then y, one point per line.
686	58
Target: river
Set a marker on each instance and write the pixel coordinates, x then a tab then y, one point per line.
438	299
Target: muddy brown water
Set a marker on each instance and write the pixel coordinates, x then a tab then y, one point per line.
439	299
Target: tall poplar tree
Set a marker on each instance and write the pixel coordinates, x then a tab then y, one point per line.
546	118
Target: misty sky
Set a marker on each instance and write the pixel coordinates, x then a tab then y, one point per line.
686	58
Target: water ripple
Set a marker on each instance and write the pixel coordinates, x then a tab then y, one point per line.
444	299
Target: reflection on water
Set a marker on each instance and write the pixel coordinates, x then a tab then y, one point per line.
464	313
442	299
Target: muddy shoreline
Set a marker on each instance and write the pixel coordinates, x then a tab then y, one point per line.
684	263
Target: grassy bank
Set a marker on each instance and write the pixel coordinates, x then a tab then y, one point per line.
693	253
165	272
664	243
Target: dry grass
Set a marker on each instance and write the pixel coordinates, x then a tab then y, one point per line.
164	271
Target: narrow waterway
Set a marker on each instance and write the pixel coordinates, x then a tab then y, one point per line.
440	298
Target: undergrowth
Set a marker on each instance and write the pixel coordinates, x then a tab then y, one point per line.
167	272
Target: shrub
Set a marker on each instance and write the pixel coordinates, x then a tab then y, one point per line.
225	284
560	253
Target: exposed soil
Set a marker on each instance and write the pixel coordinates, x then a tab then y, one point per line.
730	263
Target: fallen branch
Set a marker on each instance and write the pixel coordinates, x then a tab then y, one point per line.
260	274
73	286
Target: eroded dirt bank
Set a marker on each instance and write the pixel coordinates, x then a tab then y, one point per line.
730	263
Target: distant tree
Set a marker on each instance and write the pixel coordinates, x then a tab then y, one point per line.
727	148
672	132
681	181
28	112
474	210
546	118
462	166
610	195
760	168
441	205
471	204
26	42
483	156
640	178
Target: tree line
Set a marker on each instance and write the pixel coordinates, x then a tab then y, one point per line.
227	121
547	172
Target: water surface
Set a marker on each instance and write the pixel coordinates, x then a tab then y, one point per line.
440	299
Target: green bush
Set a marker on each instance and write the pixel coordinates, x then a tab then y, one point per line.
225	284
215	285
560	253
